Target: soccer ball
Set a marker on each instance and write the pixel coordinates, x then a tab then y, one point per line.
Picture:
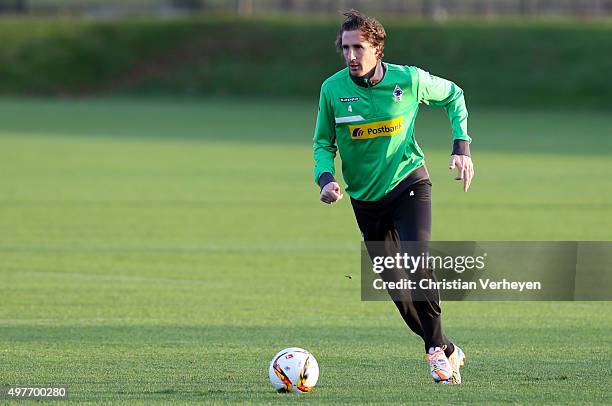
293	370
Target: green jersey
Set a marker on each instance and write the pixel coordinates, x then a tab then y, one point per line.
373	127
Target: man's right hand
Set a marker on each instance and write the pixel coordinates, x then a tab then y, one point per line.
331	193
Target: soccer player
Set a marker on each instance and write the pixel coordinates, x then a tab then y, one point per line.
367	113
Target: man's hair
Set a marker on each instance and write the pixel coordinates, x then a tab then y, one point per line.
371	30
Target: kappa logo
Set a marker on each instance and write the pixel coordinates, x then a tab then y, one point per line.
376	129
349	99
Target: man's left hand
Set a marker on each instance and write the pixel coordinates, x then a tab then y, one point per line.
465	169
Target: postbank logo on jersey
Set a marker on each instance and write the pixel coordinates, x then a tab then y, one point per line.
376	129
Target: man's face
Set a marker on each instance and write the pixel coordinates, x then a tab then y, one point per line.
360	56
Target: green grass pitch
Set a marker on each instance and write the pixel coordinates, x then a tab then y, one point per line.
164	251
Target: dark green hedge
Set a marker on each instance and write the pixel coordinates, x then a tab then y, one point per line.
508	64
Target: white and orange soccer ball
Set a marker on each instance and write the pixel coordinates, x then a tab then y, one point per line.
294	370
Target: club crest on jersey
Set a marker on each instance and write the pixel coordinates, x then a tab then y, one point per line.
398	93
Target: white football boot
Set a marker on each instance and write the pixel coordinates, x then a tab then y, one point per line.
457	360
440	366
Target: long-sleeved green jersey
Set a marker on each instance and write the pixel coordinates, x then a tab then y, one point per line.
373	127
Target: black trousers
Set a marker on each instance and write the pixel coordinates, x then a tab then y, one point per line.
406	216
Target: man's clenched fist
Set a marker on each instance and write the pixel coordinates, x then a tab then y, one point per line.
331	193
